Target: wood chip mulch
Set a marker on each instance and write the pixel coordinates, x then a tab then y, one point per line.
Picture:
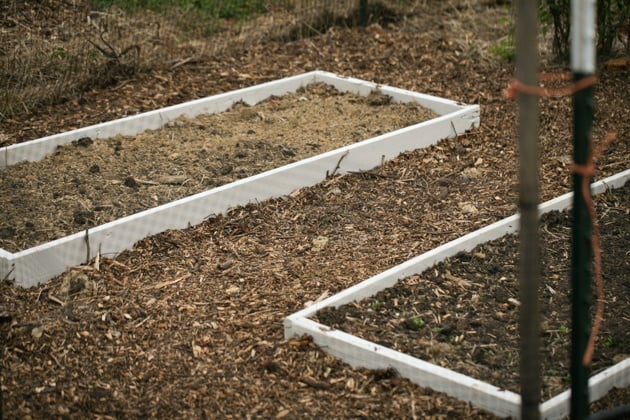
189	323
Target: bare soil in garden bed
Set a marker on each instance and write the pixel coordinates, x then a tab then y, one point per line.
463	313
88	183
189	323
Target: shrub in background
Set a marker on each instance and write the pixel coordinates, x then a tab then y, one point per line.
613	22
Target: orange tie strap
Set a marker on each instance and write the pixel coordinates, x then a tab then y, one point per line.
515	86
587	171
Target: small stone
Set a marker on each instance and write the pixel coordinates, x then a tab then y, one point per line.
565	159
470	173
83	142
225	264
468	208
74	282
232	290
319	243
514	302
130	182
283	413
440	349
172	179
37	332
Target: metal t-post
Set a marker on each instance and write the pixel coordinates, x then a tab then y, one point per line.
582	65
529	255
363	12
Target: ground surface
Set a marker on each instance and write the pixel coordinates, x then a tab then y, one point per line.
87	183
189	323
463	313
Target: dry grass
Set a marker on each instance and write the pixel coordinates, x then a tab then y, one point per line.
53	50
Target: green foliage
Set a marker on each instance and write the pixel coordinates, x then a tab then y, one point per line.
417	322
196	18
612	15
58	53
609	342
505	48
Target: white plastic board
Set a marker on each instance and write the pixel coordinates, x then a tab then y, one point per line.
35	265
359	352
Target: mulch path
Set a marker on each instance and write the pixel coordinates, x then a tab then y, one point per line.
189	323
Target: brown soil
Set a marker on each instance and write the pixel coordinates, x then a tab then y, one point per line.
463	313
89	183
189	323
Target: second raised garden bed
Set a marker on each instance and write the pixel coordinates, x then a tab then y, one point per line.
430	358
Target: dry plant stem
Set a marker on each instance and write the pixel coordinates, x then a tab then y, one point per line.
338	165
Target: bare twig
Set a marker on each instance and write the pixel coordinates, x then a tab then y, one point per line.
56	299
110	52
6	277
338	165
170	282
87	245
314	383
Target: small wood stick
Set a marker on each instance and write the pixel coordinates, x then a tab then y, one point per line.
338	164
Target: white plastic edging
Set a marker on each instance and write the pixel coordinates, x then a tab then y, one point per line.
363	353
358	352
35	265
37	149
440	106
617	376
5	266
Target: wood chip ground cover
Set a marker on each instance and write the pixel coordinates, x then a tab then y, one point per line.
463	313
189	323
89	183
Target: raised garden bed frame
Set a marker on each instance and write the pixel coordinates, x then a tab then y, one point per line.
363	353
38	264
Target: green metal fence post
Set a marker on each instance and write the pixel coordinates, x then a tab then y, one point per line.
582	65
363	12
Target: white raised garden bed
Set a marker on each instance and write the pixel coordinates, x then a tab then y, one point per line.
363	353
33	266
